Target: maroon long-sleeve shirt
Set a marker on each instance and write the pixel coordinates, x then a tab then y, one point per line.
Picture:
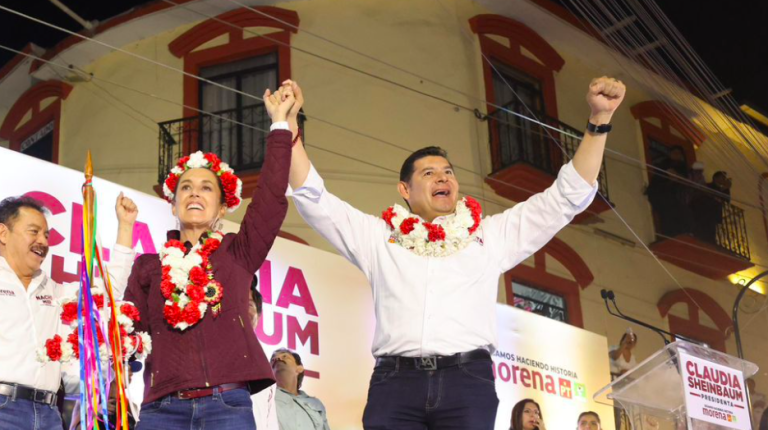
224	349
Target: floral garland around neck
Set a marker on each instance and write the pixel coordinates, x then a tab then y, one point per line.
66	347
188	285
434	240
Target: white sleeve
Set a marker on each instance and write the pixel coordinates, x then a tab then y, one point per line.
522	230
119	268
350	231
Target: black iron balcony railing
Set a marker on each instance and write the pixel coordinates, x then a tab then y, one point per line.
516	140
732	231
222	132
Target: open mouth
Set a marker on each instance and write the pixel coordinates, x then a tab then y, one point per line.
39	252
195	206
441	193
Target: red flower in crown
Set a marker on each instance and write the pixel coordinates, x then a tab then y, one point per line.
231	184
53	348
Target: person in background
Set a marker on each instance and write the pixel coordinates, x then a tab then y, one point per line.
708	207
264	409
667	194
588	421
295	409
621	356
527	415
622	359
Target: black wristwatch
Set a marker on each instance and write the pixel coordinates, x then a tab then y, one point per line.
598	129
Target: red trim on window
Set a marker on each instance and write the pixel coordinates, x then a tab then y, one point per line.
237	48
692	327
519	36
669	117
538	277
30	101
241	18
10	65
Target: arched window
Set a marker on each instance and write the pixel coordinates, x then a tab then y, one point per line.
32	124
546	293
696	302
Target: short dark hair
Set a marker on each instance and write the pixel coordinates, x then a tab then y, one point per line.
583	414
296	357
258	300
406	172
10	208
517	413
720	173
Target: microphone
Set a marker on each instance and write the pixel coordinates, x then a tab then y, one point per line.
609	295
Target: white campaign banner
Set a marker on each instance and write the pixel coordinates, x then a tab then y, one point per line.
714	393
319	305
557	365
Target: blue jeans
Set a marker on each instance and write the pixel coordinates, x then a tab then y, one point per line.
231	410
27	415
461	397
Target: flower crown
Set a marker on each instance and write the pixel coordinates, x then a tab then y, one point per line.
233	186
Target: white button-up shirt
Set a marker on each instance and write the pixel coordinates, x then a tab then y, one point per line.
440	305
29	317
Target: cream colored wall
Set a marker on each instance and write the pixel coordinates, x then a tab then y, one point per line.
423	37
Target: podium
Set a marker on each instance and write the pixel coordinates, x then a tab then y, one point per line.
684	386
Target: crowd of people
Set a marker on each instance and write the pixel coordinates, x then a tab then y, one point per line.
684	202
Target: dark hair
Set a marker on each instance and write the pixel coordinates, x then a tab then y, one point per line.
258	300
296	357
720	173
218	181
624	336
517	413
583	414
406	172
11	206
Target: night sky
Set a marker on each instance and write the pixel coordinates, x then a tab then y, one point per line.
731	37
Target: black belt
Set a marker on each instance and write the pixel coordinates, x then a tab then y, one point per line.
15	392
433	362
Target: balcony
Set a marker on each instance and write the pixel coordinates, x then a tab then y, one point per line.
716	258
527	157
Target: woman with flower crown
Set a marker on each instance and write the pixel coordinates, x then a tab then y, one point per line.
193	297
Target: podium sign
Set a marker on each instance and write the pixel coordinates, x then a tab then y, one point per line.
684	386
715	393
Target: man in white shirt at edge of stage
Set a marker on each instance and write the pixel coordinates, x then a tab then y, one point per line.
30	314
434	269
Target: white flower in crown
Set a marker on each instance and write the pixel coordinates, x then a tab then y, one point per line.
231	184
